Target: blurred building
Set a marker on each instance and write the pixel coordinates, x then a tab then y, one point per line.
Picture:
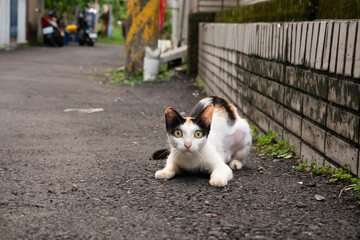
20	22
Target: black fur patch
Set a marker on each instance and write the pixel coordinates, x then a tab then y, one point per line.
173	122
161	154
205	128
225	104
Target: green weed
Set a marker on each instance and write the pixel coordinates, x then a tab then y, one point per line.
200	84
321	170
355	187
267	139
268	145
255	131
117	37
340	174
313	168
302	167
117	78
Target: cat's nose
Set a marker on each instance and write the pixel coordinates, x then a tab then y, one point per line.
187	145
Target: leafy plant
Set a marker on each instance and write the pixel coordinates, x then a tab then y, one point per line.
356	188
255	131
321	170
200	84
267	139
117	78
268	145
302	167
313	168
117	37
343	174
340	174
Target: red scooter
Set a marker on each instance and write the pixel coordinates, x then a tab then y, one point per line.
52	34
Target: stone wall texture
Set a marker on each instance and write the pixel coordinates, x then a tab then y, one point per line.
300	79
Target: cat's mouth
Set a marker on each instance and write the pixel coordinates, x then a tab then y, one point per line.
188	151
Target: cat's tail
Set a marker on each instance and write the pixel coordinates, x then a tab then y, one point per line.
160	154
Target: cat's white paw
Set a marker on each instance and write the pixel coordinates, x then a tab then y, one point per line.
164	174
217	181
235	165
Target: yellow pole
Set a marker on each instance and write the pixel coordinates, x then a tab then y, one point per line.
142	30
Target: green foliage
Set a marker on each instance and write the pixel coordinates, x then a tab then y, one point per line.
356	188
193	38
319	170
291	10
118	10
66	5
268	145
282	149
267	139
338	9
200	84
340	174
322	170
166	31
343	174
116	39
270	11
302	167
117	78
255	131
313	168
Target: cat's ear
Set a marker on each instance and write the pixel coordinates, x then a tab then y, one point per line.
206	115
172	119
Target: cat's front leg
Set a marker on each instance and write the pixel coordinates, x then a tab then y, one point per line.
220	176
168	171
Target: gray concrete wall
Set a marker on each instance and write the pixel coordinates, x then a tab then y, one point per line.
298	79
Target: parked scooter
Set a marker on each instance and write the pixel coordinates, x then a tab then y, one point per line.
51	31
85	29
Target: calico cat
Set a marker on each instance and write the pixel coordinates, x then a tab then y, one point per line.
211	138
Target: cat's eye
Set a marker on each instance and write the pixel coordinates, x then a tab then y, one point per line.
178	133
198	134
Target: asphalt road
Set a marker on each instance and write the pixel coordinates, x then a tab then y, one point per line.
44	151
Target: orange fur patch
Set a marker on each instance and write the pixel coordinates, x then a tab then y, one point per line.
207	115
188	120
233	109
221	111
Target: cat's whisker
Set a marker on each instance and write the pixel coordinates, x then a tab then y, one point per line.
202	160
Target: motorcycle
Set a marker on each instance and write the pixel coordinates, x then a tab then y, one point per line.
52	34
85	29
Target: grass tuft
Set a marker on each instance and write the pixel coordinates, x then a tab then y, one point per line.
117	78
338	175
268	145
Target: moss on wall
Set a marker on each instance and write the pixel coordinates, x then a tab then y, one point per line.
291	10
338	9
272	11
193	38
